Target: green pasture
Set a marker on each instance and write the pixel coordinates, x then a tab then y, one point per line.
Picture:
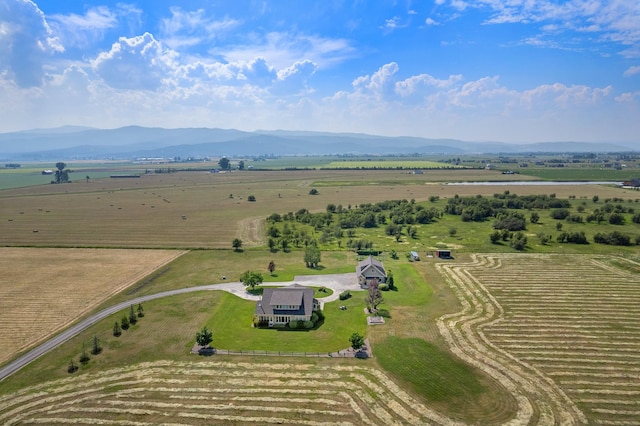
387	164
436	375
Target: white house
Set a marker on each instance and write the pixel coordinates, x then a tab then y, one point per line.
370	270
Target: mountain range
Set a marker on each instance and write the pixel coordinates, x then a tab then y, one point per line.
73	142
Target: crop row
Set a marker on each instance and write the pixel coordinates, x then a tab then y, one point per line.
562	318
220	392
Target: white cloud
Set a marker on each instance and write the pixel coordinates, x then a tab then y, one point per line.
136	63
610	21
632	71
83	30
26	40
283	49
190	28
430	21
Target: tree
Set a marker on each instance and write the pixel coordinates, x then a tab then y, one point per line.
204	337
374	297
251	279
495	236
390	280
357	341
62	175
96	348
84	356
132	316
271	267
124	322
534	218
140	311
224	163
236	244
312	256
241	165
117	330
72	368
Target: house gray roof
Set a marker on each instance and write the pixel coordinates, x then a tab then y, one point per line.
296	295
370	262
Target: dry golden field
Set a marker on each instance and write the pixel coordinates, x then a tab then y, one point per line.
44	290
206	210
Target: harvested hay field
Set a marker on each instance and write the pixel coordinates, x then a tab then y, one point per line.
44	290
219	392
560	331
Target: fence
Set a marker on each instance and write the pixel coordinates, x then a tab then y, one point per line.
341	354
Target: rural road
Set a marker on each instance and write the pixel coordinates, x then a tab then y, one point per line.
337	282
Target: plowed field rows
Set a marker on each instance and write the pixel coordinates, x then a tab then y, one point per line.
217	392
561	331
44	290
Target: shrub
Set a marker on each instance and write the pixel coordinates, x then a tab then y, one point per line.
294	325
384	287
519	241
251	198
307	324
614	238
313	191
616	219
575	218
511	222
559	214
636	218
345	295
72	368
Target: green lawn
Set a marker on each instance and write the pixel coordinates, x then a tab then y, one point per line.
232	317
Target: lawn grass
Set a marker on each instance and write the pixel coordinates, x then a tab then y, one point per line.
443	381
232	317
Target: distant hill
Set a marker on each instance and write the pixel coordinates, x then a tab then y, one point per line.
72	142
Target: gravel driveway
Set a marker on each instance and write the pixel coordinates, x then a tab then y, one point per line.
336	282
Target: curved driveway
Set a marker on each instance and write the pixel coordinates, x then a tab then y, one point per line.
337	282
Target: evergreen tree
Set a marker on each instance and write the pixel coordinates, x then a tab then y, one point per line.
84	356
124	322
140	311
96	348
117	330
132	316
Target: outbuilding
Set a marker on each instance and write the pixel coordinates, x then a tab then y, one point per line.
444	254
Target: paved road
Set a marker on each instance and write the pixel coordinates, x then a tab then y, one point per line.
338	283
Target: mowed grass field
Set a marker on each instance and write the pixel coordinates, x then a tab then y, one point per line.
206	210
44	290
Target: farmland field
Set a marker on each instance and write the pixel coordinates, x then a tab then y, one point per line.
44	290
206	210
221	392
560	331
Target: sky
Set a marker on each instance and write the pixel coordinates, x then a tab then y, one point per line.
479	70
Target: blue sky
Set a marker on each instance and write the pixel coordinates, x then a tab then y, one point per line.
513	71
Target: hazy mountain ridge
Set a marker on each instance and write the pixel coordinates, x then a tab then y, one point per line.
74	142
